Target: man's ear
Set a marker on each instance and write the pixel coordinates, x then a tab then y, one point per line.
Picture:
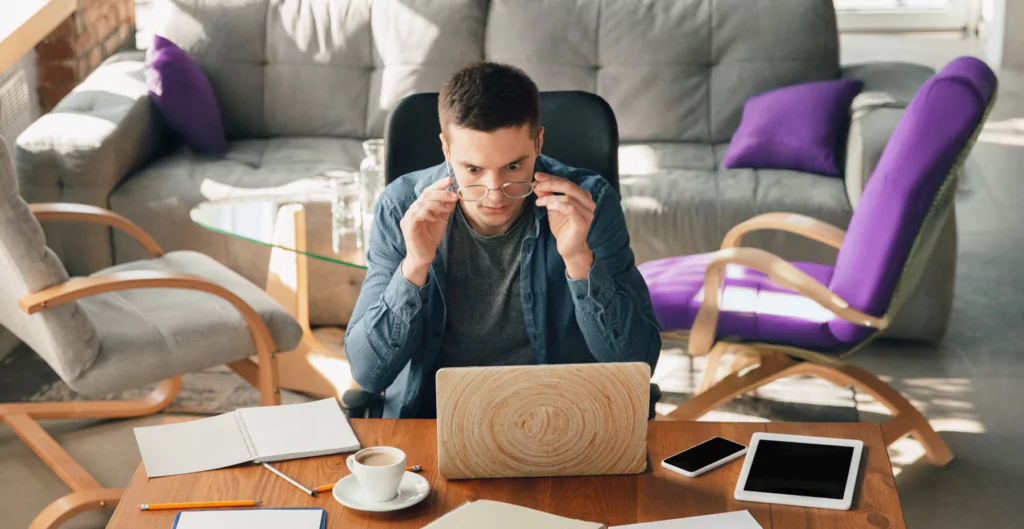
540	140
444	147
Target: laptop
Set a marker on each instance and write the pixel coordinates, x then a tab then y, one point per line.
542	420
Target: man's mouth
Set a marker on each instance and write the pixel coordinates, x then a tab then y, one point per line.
493	210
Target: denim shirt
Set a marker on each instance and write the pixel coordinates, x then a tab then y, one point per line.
394	336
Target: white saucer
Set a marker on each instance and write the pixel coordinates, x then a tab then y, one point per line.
413	489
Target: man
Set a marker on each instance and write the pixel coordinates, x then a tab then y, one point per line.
498	256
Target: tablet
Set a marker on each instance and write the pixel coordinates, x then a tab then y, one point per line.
800	470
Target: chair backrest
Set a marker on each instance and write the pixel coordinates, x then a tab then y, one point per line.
910	194
64	336
673	70
579	130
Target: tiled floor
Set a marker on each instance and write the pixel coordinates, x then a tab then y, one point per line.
971	386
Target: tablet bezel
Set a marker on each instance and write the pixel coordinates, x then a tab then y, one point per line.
843	504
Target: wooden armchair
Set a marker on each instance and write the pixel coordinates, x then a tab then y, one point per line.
131	325
804	318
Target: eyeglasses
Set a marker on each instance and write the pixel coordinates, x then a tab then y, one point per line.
476	193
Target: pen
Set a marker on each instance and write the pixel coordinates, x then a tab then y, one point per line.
325	488
288	479
198	505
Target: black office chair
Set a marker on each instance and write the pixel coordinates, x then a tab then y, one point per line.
579	130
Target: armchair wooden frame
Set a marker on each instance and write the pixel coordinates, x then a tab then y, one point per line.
773	361
87	493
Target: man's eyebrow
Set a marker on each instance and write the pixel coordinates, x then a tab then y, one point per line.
517	160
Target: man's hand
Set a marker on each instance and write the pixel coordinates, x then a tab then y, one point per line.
570	213
423	227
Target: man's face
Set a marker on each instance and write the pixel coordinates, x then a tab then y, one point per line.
491	159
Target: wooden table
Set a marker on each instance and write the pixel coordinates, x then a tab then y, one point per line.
657	494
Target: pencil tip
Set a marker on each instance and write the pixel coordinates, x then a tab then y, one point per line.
259	502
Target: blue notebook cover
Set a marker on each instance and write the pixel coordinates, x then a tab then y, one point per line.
323	513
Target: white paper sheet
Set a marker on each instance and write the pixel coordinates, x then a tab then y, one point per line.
252	519
193	446
729	520
299	430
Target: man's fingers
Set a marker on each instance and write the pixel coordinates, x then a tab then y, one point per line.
571	208
554	184
552	199
440	184
438	195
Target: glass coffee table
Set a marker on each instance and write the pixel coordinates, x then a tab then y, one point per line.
297	224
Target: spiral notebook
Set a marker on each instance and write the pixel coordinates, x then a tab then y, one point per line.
257	435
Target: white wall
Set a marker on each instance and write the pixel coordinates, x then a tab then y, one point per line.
1002	33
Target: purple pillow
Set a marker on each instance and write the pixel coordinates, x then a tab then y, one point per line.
182	93
797	127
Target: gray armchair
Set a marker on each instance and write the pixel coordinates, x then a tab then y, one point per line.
133	325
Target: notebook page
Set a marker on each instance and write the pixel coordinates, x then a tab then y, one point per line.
252	519
298	430
499	515
729	520
193	446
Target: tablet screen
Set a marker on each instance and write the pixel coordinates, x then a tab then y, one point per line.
800	469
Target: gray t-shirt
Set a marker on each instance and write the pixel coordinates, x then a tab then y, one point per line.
485	324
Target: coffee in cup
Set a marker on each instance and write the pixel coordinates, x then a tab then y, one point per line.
379	471
377	459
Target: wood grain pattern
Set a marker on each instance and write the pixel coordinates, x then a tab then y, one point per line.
536	421
656	494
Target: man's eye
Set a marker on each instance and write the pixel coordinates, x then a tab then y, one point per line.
513	167
473	170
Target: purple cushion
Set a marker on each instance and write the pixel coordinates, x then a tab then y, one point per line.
753	308
924	147
182	93
798	128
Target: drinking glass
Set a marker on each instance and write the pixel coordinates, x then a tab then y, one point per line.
346	210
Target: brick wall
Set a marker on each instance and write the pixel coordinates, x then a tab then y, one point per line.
96	30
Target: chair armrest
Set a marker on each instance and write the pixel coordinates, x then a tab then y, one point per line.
81	287
62	211
83	148
361	404
702	335
875	112
803	225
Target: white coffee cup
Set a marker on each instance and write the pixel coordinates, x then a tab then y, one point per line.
379	471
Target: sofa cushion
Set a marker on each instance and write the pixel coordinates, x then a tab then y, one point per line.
798	127
673	70
182	94
676	209
150	334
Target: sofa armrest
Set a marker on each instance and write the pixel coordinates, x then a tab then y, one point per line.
888	89
80	151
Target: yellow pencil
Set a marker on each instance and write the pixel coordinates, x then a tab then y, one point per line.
198	505
325	488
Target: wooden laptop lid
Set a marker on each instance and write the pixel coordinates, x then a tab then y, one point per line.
546	420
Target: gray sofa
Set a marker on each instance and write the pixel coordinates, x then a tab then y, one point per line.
300	84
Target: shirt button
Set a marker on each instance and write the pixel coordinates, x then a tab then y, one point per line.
580	297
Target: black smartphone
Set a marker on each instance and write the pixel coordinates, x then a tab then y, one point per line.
701	458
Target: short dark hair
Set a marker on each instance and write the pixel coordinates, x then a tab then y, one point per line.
488	96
